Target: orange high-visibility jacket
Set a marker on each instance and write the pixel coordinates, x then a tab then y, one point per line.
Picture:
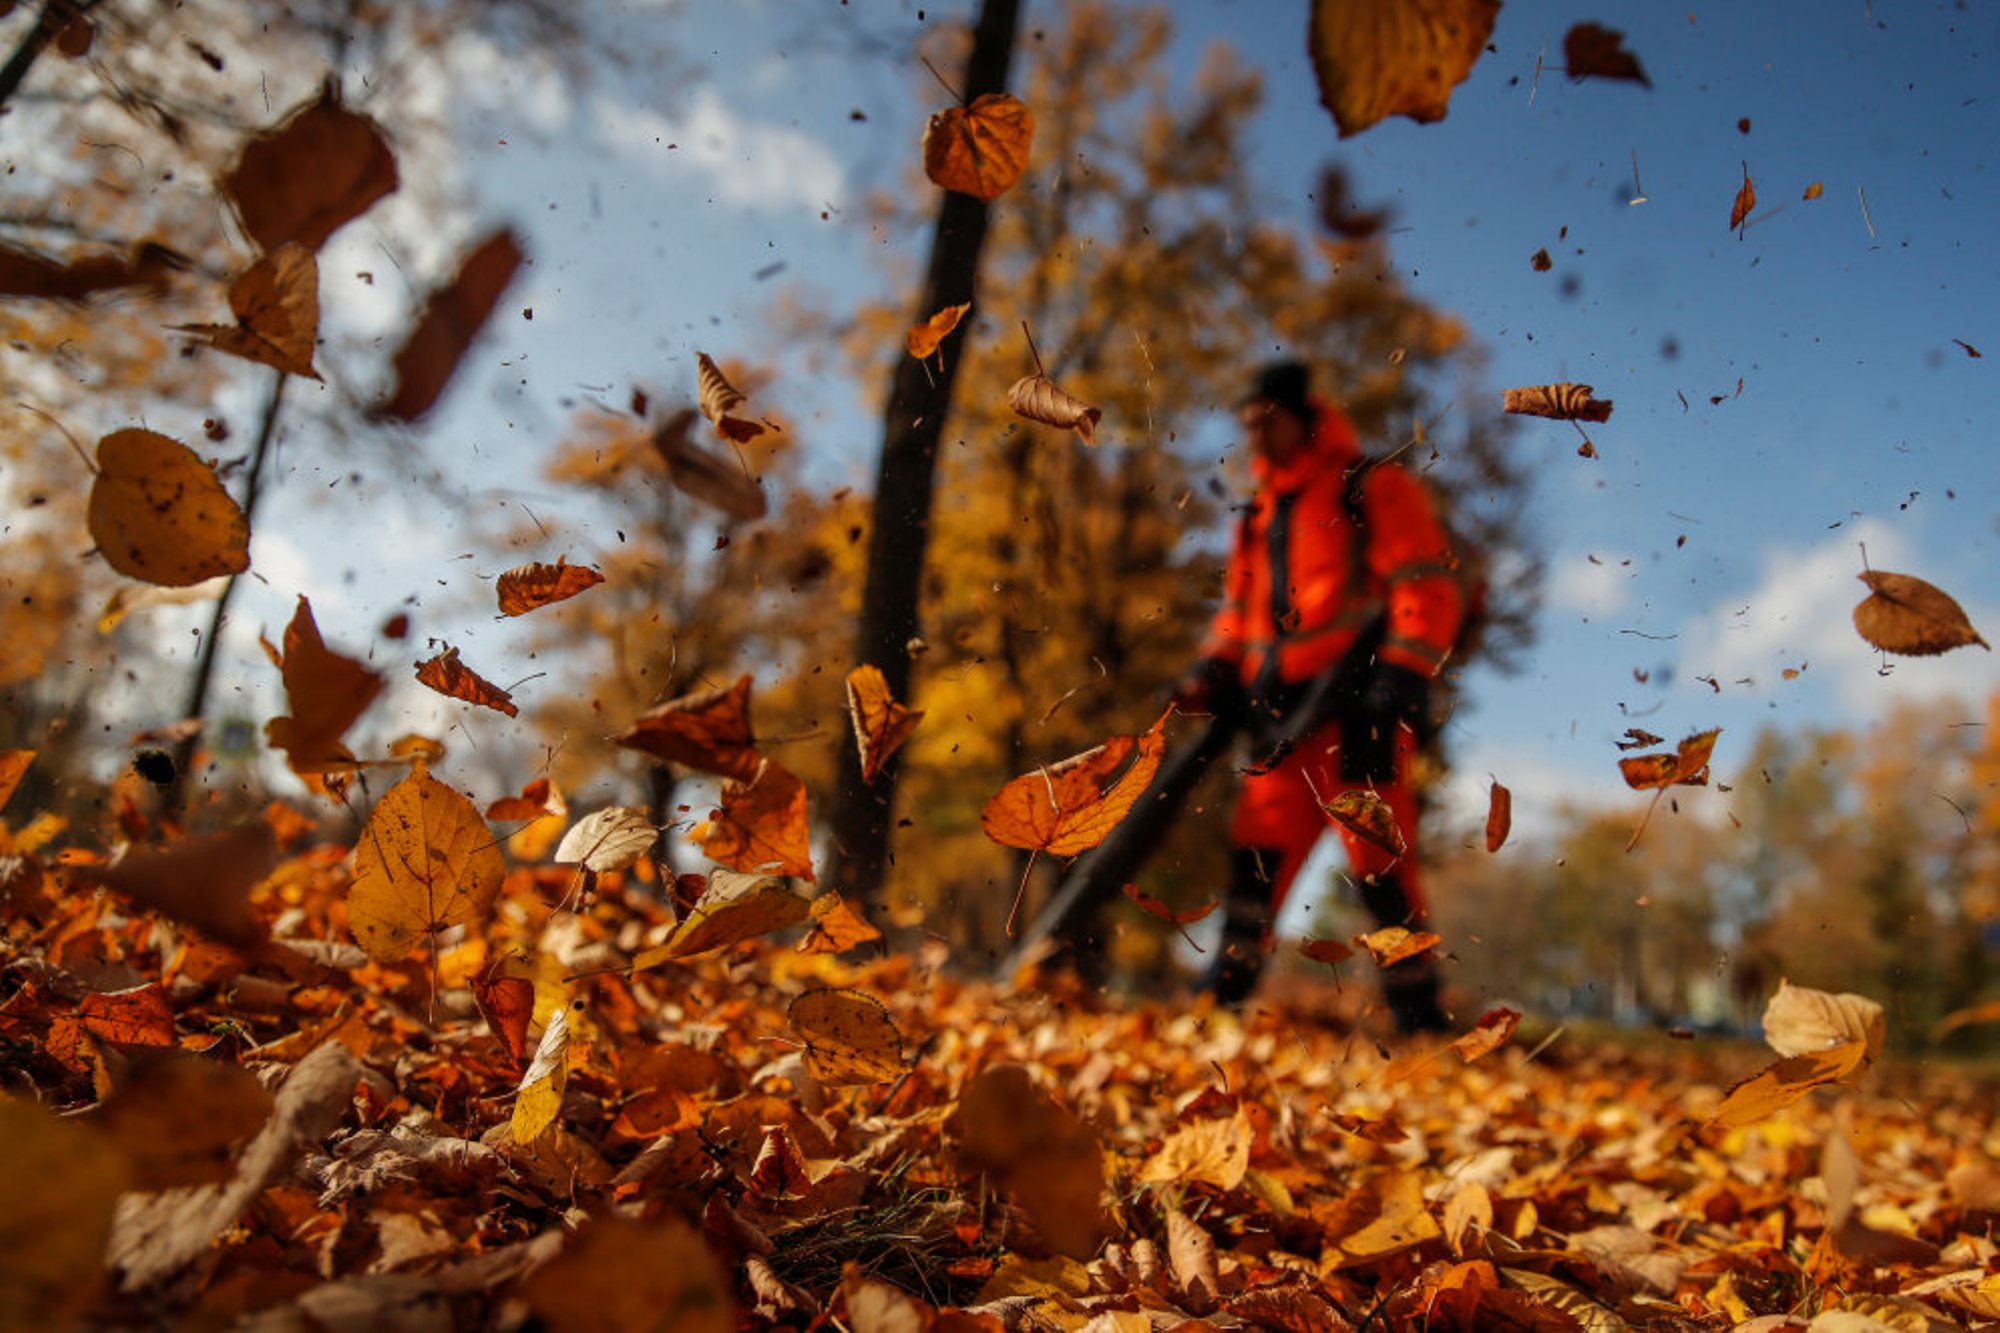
1302	583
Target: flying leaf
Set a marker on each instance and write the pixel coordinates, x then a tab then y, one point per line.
1801	1021
1687	765
537	800
326	693
450	320
1778	1086
881	725
541	1092
13	767
1392	944
426	861
1558	402
453	678
1591	50
1378	58
55	1215
178	1116
1903	614
608	839
505	994
836	927
1638	738
704	475
1499	816
924	340
720	399
318	170
1488	1034
1037	398
1070	807
1746	199
1153	907
203	882
617	1273
276	304
1814	191
25	273
160	514
761	825
1325	951
530	587
707	730
1368	817
981	149
850	1037
1036	1149
732	908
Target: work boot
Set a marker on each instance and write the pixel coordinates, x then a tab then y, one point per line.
1239	957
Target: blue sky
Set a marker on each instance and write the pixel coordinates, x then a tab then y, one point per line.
651	206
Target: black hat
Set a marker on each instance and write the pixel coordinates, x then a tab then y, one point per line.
1286	384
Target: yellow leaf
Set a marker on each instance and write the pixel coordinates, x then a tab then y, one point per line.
161	515
734	907
541	1095
924	339
849	1037
1211	1151
1378	58
981	149
1778	1086
426	861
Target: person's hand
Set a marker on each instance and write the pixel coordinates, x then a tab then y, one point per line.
1392	697
1208	687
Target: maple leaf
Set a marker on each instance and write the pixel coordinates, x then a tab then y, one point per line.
321	168
529	587
980	149
276	304
1378	58
160	514
1903	614
454	679
881	725
445	329
426	861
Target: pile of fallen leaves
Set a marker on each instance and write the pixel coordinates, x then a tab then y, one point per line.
617	1103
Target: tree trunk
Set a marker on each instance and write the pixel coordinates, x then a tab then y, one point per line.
913	425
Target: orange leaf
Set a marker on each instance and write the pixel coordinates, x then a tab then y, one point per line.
1325	951
761	825
13	766
981	149
1488	1034
1037	398
140	1016
320	169
1778	1086
326	693
708	477
836	927
276	304
1369	818
1558	402
160	514
1155	908
720	399
881	725
1687	765
850	1037
925	338
1814	191
733	907
1392	944
1071	806
1499	817
204	882
708	730
449	676
1378	58
1036	1149
537	799
506	999
529	587
426	861
618	1273
1746	199
1903	614
1591	50
451	319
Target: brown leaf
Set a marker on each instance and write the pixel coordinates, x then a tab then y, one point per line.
1036	1149
326	693
850	1037
761	825
706	476
1369	818
1686	766
178	1117
160	514
719	401
623	1274
1638	738
1392	944
318	170
1903	614
1488	1034
32	276
1038	399
1799	1021
454	679
1593	50
426	861
734	906
450	320
1499	816
276	304
529	587
1191	1255
1540	261
707	730
981	149
1378	58
63	1185
505	994
1326	951
203	882
1778	1086
881	725
924	339
1159	911
836	927
1746	199
1071	806
1558	402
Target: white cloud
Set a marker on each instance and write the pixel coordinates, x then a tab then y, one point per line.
1594	583
757	166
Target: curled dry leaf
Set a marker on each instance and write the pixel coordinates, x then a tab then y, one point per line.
1499	816
608	839
527	588
704	475
425	861
1379	58
1392	944
707	730
1558	402
761	825
881	725
1071	806
1686	766
732	908
1638	738
540	1097
1490	1033
720	399
1800	1021
1779	1085
161	515
1746	200
1591	50
850	1037
451	319
1368	817
1037	398
276	304
453	678
981	149
321	168
836	927
326	692
1903	614
924	339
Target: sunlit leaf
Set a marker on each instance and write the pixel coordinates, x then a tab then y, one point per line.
540	1097
1814	191
446	327
1071	806
1368	817
1559	402
881	725
1687	765
1778	1086
276	304
160	514
138	1016
608	839
1800	1021
1209	1150
1488	1034
850	1037
13	767
836	927
453	678
1378	58
529	587
981	149
924	339
707	730
426	861
732	908
761	825
1037	398
1903	614
1392	944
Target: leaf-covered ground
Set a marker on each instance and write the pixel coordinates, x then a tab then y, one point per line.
294	1136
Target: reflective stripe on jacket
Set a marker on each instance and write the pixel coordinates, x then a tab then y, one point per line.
1295	583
